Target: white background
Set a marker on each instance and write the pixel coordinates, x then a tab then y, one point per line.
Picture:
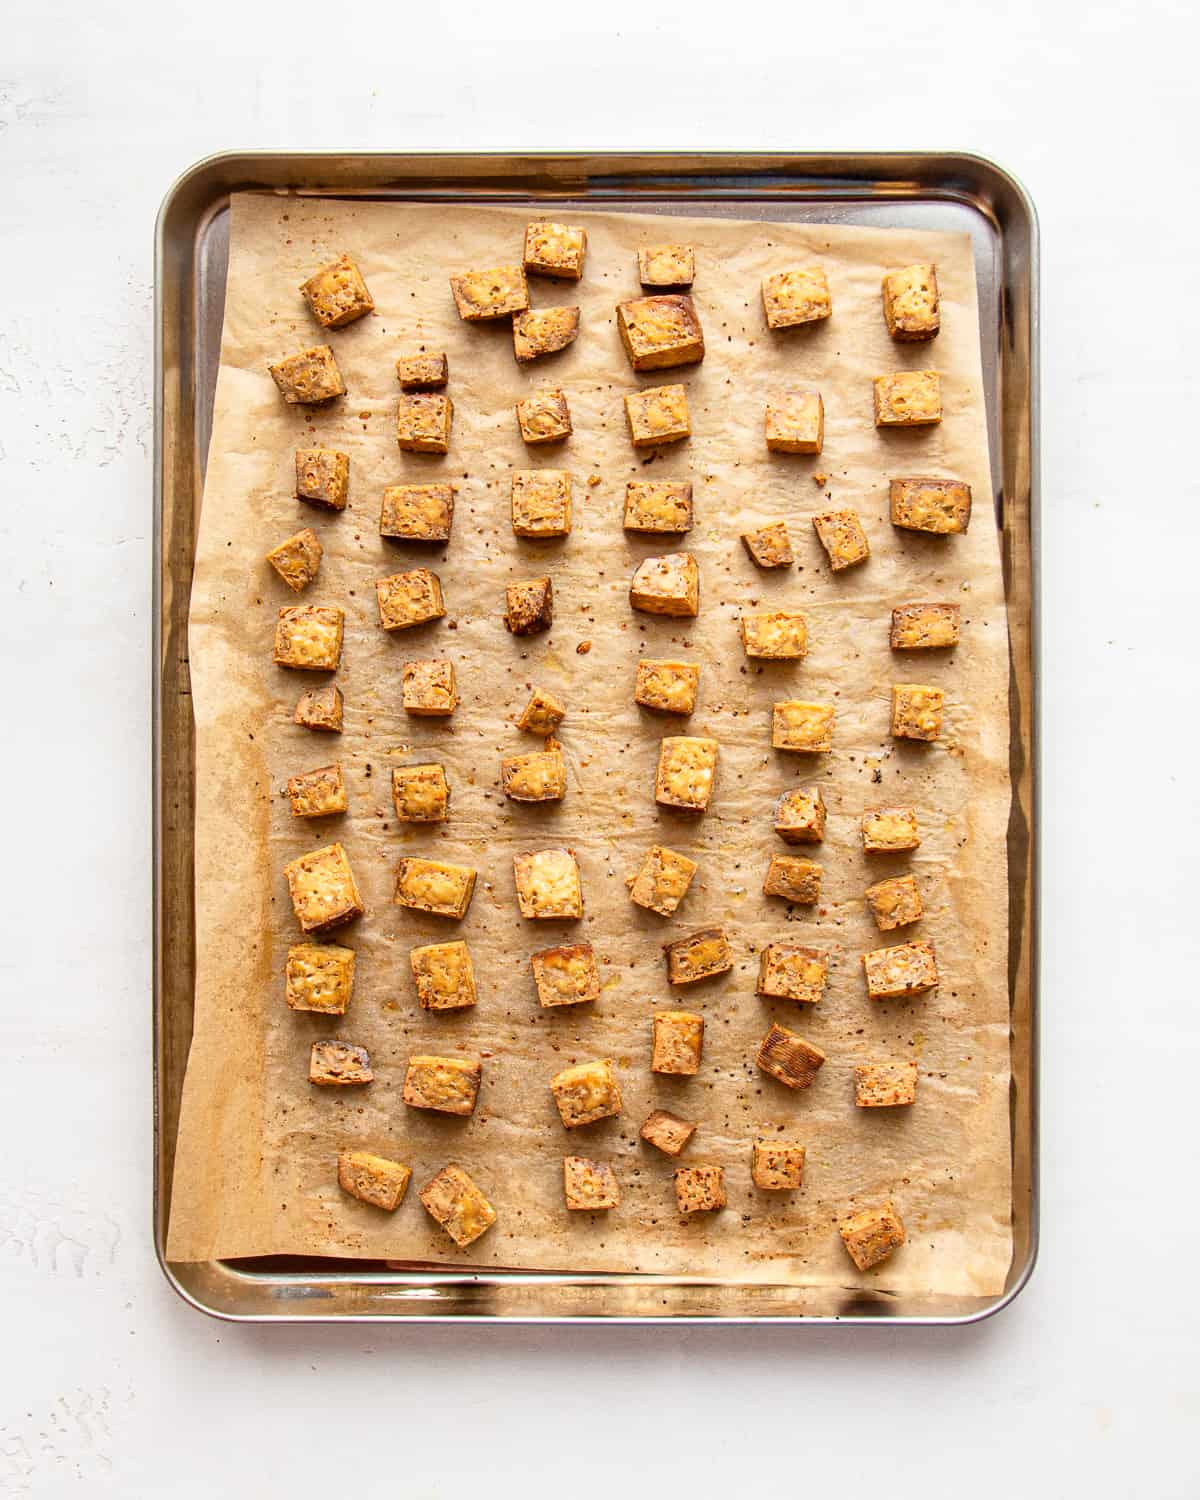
1090	1383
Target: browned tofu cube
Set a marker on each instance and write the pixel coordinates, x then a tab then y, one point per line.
687	768
322	888
567	975
297	559
320	708
444	976
803	727
770	546
795	422
886	830
423	421
555	250
872	1235
668	687
539	777
544	330
319	977
895	903
667	585
660	332
339	1064
840	533
337	294
662	880
700	955
678	1042
453	1200
309	378
787	971
309	638
667	1131
373	1179
885	1085
420	793
449	1085
496	293
916	711
589	1184
777	1166
529	606
408	599
427	689
658	415
800	816
910	304
700	1190
317	794
775	635
422	372
417	512
542	714
663	505
794	879
443	890
586	1092
548	884
544	417
794	297
908	398
938	506
897	973
666	267
789	1058
541	502
323	477
925	627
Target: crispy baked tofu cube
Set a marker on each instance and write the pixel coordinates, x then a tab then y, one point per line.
700	955
529	606
667	1131
789	1058
586	1092
800	816
323	477
479	295
309	378
794	879
567	975
667	585
309	638
444	976
662	880
427	689
787	971
320	708
420	793
660	332
548	884
539	777
542	714
885	1085
895	903
941	507
449	1085
678	1042
925	627
417	512
373	1179
317	794
319	977
555	250
793	297
544	417
795	422
908	398
658	415
453	1200
408	599
840	532
687	768
423	421
770	546
541	502
663	505
803	727
324	894
337	294
886	830
336	1064
916	711
297	559
443	890
872	1235
777	1166
700	1190
666	267
775	635
423	372
544	330
896	973
910	304
668	687
589	1184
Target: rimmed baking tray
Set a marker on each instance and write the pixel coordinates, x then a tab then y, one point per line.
937	191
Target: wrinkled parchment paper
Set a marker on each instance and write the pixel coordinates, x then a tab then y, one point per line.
255	1171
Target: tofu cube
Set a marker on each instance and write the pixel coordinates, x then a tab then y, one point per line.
896	973
872	1235
423	421
336	1064
925	627
337	294
427	689
420	793
567	975
586	1092
408	599
422	372
794	879
941	507
542	714
444	976
687	768
657	415
449	1085
322	888
442	890
795	422
317	794
544	330
555	250
917	711
544	417
895	903
529	606
789	1058
800	816
309	638
803	727
770	546
297	559
663	505
373	1179
669	267
908	398
777	1166
668	687
453	1200
660	332
667	585
840	533
775	635
320	708
417	512
910	304
309	378
700	955
885	1085
662	880
700	1190
678	1042
541	502
667	1131
319	977
787	971
887	830
539	777
794	297
323	477
479	295
548	884
589	1184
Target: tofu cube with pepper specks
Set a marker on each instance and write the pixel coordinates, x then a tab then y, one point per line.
667	585
324	894
687	768
803	727
775	635
555	250
443	890
320	708
888	830
896	973
840	532
337	294
658	415
541	502
668	687
678	1042
800	816
544	330
797	880
700	955
567	975
916	711
789	1058
448	1085
940	507
544	417
548	884
662	505
908	398
539	777
453	1200
666	267
423	421
787	971
323	477
408	599
495	293
895	903
444	976
417	512
335	1064
422	372
427	689
795	422
586	1092
770	546
319	977
872	1235
529	606
885	1085
542	714
700	1190
667	1131
297	559
662	880
910	304
794	297
309	638
373	1179
420	793
309	378
317	794
924	627
777	1166
660	332
589	1184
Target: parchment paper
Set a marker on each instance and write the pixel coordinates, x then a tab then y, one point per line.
256	1166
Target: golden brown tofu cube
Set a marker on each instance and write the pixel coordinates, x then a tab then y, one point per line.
417	512
317	794
479	295
309	378
337	294
667	1131
668	687
548	884
542	714
700	1190
885	1085
427	689
840	533
896	973
917	711
422	372
700	955
895	903
789	1058
795	422
886	830
777	1166
770	546
589	1184
586	1092
663	505
687	768
544	417
309	638
666	267
667	585
794	879
529	606
541	502
910	304
555	250
408	599
539	777
320	708
775	635
420	793
787	971
678	1042
423	421
567	975
872	1235
324	894
449	1085
297	559
658	415
373	1179
925	627
908	398
443	890
803	727
444	976
660	332
323	477
320	977
793	297
339	1064
453	1200
941	507
662	880
800	816
544	330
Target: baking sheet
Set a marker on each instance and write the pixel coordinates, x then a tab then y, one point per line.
255	1165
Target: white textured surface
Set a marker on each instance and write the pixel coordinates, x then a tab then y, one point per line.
109	1385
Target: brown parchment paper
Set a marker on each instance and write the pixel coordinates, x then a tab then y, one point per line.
255	1170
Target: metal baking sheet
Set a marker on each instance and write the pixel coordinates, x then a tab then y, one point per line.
938	191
